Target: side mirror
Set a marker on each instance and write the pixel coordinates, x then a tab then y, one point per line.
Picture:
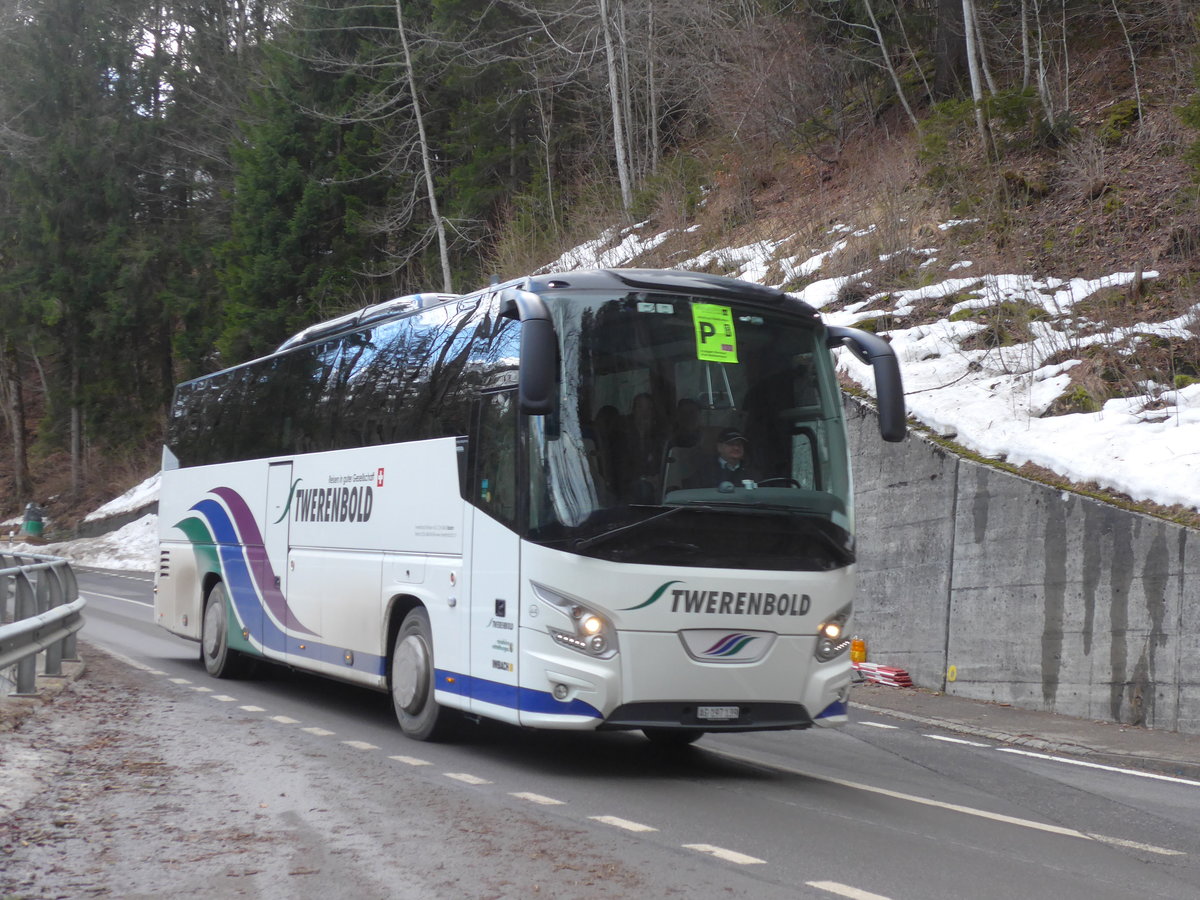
536	380
539	358
889	389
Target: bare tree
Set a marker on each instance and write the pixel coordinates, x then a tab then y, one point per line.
617	109
423	143
981	122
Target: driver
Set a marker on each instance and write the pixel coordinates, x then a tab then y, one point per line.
728	465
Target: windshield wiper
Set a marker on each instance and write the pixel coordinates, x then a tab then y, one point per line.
753	506
584	543
705	506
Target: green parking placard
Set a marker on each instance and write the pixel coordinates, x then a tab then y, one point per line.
715	337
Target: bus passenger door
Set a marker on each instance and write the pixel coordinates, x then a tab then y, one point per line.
495	557
273	572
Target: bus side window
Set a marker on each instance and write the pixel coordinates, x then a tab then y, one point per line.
494	488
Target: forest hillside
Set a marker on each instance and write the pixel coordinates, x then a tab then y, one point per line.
185	184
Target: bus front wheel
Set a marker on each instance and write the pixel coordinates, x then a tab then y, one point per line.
418	712
219	660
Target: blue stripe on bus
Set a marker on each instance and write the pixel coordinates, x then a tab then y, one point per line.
511	696
836	708
336	656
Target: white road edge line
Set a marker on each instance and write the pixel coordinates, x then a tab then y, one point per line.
954	740
86	593
728	855
952	807
1091	765
844	890
1135	845
618	822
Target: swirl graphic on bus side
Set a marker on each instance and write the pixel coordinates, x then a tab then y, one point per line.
225	537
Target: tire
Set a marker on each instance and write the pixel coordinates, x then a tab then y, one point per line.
219	660
672	738
412	678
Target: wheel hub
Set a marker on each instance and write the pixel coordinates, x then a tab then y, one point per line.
410	674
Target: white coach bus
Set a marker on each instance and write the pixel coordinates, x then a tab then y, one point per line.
508	505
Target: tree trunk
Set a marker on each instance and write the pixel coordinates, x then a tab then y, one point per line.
976	81
76	433
426	163
950	50
652	89
614	99
1026	57
12	398
887	64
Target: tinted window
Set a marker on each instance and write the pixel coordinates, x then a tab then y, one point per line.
408	379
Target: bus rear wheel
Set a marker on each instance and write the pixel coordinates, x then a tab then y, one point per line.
419	714
219	660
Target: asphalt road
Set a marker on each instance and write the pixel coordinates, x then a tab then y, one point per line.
883	808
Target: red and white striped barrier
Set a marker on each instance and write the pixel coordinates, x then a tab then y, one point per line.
883	674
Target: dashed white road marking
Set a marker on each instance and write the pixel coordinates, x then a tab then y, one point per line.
178	681
954	740
1191	782
618	822
728	855
880	725
359	745
466	778
224	698
537	798
319	732
201	689
252	708
285	720
845	890
411	760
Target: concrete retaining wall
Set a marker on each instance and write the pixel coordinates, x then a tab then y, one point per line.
989	586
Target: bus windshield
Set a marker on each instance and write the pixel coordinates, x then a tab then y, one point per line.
691	431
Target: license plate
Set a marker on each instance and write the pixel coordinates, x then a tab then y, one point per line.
717	713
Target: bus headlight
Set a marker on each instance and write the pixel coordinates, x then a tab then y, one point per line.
584	629
831	635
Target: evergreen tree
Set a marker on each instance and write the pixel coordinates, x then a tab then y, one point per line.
306	175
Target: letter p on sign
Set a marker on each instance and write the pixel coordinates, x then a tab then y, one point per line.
716	340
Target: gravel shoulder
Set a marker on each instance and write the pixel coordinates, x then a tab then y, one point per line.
111	788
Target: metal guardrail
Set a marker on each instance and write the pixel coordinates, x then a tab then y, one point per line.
46	611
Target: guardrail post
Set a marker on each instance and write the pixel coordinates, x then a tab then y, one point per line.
26	609
54	596
71	591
